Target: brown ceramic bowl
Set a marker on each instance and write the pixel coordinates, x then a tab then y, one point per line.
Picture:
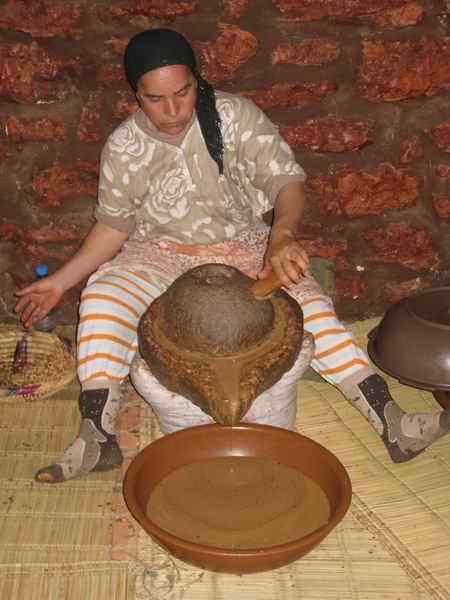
412	341
175	450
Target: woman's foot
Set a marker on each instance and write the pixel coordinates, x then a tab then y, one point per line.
96	447
409	434
89	452
405	435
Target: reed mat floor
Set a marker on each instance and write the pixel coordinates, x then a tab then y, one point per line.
77	540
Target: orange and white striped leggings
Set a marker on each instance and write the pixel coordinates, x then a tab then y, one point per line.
118	294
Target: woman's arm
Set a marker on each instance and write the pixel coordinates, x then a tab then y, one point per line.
101	244
36	300
284	254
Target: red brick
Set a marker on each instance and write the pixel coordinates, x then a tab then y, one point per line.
58	184
29	74
327	134
291	95
42	253
350	286
88	128
383	13
406	15
41	18
110	67
124	106
443	172
401	244
222	58
51	233
234	9
393	71
163	9
324	248
363	193
111	73
342	264
35	130
9	231
309	230
441	205
118	45
87	166
441	134
394	292
411	149
323	190
317	51
5	149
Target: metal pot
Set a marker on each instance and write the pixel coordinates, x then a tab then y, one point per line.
412	342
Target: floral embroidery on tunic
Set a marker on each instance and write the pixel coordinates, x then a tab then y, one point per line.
154	190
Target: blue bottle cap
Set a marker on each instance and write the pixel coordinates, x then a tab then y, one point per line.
41	271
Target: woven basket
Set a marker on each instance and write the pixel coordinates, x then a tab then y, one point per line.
50	364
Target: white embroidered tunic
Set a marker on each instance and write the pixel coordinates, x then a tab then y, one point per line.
157	190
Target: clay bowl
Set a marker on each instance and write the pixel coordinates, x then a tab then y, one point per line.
412	341
172	451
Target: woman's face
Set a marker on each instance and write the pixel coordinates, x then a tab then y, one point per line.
167	96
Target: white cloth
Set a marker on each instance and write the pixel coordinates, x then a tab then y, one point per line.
276	406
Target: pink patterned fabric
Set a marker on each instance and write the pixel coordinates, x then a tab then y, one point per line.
170	260
107	333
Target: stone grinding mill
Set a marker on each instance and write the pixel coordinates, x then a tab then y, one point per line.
219	339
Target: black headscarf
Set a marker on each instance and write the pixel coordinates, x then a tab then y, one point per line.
157	48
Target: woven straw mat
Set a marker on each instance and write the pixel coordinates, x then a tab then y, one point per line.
77	540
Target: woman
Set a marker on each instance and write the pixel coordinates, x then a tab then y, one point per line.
185	181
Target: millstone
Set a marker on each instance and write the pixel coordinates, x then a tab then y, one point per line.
209	339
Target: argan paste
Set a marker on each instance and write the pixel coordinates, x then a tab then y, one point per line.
238	502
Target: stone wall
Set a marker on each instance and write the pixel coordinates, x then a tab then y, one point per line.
359	88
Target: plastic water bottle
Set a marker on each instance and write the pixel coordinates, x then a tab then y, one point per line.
46	324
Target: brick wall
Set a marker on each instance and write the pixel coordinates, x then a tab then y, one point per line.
359	88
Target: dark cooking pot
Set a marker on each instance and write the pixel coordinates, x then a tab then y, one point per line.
412	341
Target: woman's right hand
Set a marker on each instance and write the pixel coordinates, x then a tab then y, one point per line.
37	300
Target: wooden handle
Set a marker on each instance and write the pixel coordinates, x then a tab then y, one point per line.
263	288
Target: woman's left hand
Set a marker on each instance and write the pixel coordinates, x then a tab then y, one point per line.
285	256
